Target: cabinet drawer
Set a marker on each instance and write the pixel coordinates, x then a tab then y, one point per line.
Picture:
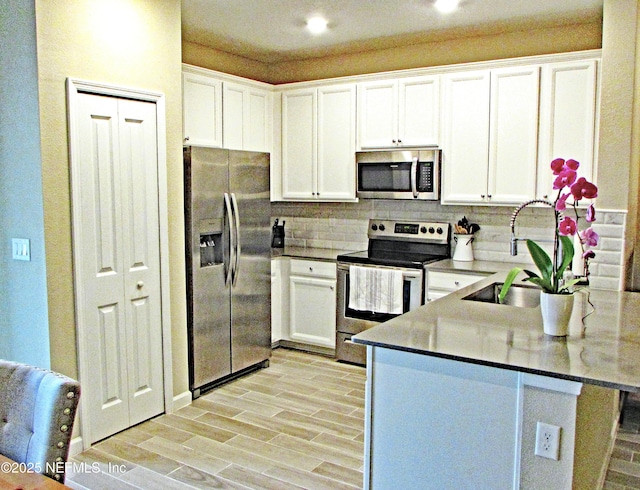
451	281
313	268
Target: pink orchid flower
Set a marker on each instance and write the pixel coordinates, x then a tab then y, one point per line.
561	203
557	165
572	164
583	188
591	214
565	178
589	237
567	226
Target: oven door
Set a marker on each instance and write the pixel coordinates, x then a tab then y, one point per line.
350	322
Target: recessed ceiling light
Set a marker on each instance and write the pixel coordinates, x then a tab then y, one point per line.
446	6
316	25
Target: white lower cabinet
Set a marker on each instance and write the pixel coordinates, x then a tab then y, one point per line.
312	303
440	284
276	300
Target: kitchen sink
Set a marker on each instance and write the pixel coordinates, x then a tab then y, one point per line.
518	295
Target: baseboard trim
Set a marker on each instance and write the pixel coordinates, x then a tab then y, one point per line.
182	400
75	446
314	349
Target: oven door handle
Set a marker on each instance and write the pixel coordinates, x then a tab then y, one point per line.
414	177
406	274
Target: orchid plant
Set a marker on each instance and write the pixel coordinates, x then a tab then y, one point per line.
551	271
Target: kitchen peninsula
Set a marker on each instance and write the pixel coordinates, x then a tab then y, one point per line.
456	388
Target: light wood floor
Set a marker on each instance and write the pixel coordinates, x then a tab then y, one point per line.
624	466
297	424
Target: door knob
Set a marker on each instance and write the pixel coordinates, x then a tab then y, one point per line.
140	284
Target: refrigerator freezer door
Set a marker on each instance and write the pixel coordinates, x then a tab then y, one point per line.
208	297
251	295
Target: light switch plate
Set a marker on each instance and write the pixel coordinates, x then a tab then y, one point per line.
21	249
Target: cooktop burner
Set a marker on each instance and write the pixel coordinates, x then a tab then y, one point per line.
403	244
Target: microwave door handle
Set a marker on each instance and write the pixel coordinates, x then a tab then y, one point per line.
414	177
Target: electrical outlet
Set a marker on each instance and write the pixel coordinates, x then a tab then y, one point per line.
548	441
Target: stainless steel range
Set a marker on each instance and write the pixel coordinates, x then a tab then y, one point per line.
385	280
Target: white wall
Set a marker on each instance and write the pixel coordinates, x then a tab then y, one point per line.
24	324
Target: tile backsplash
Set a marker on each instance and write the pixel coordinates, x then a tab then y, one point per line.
343	226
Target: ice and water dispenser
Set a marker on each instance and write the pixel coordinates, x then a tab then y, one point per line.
211	245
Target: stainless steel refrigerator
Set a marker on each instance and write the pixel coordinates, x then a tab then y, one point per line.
228	253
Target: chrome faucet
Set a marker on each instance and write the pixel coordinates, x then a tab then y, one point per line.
514	216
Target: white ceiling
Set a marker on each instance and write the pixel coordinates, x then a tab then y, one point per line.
274	30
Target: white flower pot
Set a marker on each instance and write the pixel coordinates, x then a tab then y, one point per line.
556	313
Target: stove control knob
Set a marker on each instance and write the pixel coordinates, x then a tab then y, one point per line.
431	230
439	230
423	229
381	227
374	227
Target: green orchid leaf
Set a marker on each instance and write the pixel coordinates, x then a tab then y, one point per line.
567	285
546	286
530	274
542	261
567	254
508	281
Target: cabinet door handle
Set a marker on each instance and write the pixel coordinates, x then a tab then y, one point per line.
482	196
457	283
489	196
310	269
331	287
140	284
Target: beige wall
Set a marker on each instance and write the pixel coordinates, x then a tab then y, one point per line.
457	46
133	43
467	46
213	59
616	114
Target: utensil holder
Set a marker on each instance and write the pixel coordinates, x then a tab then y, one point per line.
464	250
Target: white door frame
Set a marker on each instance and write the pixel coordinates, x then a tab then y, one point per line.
74	87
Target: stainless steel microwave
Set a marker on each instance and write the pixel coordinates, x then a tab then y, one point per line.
399	174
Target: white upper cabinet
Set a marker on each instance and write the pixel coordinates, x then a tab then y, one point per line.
490	135
513	134
318	143
247	117
399	113
299	159
336	142
568	109
201	110
465	144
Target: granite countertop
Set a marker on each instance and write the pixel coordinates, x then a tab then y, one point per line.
324	254
602	350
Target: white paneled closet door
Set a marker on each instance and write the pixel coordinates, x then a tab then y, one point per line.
120	261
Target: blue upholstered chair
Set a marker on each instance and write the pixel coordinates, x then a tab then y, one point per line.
37	411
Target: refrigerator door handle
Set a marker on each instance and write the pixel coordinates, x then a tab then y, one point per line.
236	214
229	269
